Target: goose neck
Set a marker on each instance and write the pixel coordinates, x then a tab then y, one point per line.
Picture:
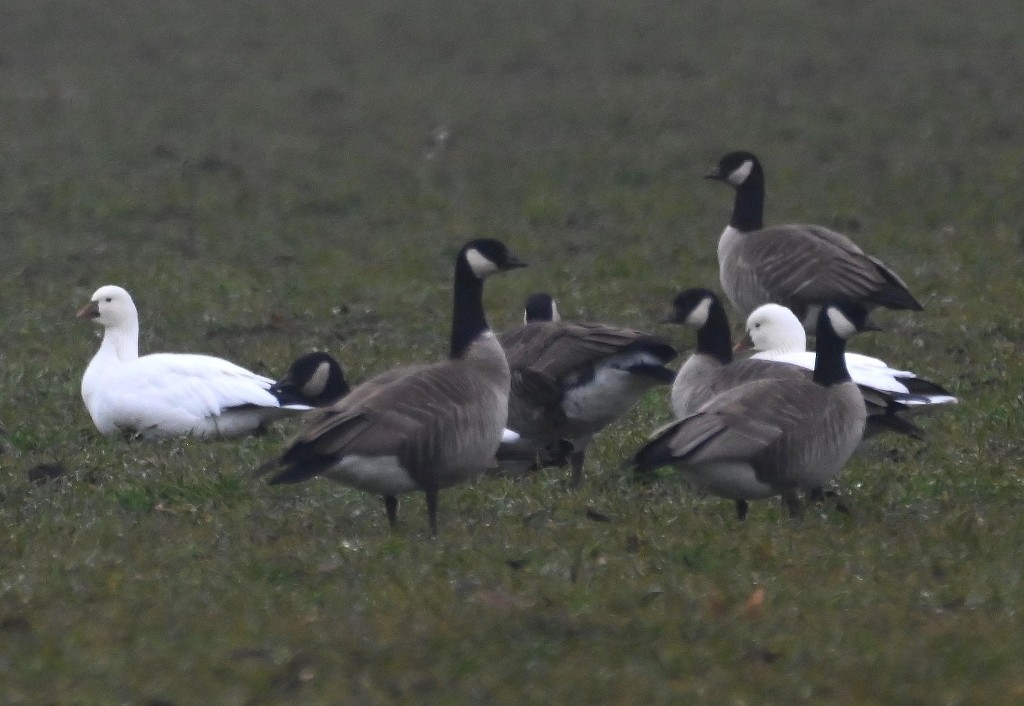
748	207
714	338
830	358
468	320
121	342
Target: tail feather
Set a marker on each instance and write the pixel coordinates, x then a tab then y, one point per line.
298	472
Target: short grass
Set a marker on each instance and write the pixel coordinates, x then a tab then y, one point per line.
269	177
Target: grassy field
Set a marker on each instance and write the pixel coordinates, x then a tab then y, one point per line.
270	177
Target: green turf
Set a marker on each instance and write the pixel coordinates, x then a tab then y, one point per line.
267	177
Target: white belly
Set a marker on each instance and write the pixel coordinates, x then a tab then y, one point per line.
733	480
383	475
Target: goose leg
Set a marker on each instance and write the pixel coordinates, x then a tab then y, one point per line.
391	507
792	502
576	457
576	462
431	494
742	506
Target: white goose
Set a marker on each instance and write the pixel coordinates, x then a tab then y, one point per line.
776	334
168	394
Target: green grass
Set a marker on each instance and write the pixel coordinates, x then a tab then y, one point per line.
264	178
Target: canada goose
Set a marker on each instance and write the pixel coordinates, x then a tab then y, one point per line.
168	394
315	379
710	368
569	381
776	334
422	428
770	437
798	266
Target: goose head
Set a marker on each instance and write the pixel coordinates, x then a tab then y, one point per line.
837	323
540	307
692	307
111	307
736	168
775	328
315	379
848	318
486	256
476	261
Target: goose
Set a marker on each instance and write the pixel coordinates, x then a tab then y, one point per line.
711	368
798	266
423	428
776	334
770	437
569	381
163	395
315	379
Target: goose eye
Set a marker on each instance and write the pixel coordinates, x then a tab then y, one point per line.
108	300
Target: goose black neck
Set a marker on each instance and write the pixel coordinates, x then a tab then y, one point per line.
748	208
714	338
468	320
829	355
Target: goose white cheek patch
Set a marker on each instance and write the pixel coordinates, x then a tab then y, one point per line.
317	381
699	316
480	264
740	173
840	324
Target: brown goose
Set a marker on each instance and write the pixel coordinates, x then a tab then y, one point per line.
798	266
569	381
770	437
422	428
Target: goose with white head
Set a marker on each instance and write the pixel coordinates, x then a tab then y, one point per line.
799	266
164	395
775	334
770	437
423	428
570	381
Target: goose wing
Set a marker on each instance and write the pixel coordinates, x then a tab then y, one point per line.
548	358
808	263
760	422
412	416
199	385
728	427
559	350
